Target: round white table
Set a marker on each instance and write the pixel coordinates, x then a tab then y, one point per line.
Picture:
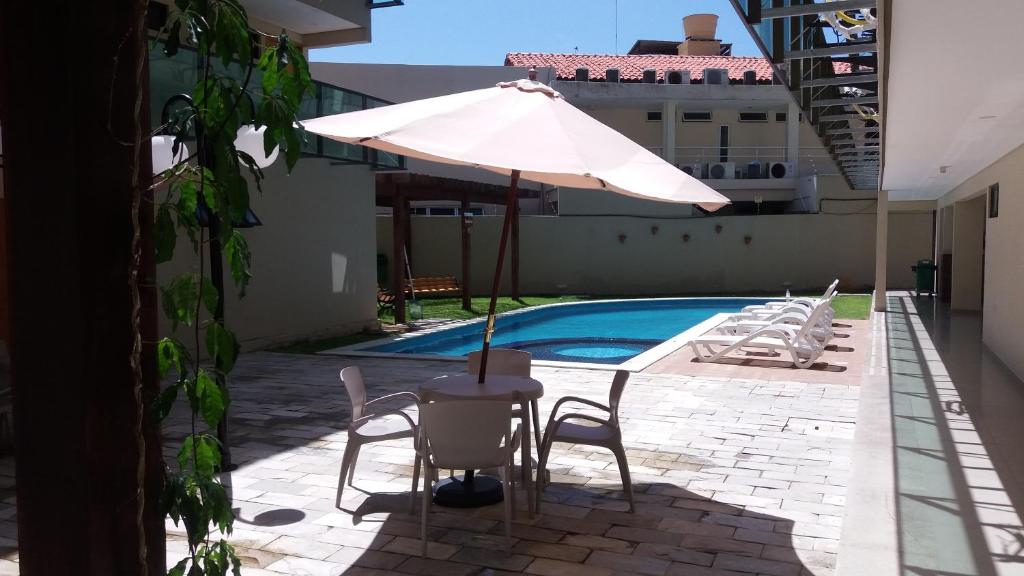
471	490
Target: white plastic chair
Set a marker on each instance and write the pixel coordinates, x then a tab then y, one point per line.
370	426
468	435
804	302
606	434
509	362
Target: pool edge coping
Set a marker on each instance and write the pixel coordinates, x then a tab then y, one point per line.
638	363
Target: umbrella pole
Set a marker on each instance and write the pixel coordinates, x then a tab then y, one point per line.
510	210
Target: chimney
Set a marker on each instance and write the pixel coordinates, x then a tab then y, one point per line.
699	36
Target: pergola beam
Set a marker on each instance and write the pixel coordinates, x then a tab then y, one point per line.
813	9
843	49
841	80
861	100
869	130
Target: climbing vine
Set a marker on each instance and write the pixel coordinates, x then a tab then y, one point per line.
210	187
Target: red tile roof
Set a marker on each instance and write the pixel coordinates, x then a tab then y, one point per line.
631	67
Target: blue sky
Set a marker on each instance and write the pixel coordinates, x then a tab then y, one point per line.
481	32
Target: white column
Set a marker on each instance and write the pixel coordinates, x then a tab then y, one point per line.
881	248
668	132
793	136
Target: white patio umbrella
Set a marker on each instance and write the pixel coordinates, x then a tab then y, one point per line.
524	129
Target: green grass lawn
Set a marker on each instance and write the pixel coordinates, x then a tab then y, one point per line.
850	307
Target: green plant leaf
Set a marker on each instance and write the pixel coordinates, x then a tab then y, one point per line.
165	401
164	234
179	568
211	398
207	457
210	296
236	249
180	298
170	354
222	346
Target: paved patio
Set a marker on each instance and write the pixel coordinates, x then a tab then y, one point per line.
732	476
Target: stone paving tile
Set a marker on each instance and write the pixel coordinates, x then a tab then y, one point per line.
732	476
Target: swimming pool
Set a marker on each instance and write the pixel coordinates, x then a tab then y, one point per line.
601	332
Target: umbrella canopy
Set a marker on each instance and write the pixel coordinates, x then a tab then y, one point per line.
520	126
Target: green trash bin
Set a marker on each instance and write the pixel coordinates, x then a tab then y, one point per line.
925	271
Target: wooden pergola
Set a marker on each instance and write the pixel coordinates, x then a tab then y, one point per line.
397	190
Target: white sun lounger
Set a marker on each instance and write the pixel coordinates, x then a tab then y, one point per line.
808	303
802	347
741	324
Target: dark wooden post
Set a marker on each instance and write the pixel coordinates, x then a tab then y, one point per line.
407	225
398	209
515	250
70	190
467	222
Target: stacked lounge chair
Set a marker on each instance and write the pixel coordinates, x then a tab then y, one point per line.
800	327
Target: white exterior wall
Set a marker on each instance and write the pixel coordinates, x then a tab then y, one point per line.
314	259
1003	326
583	255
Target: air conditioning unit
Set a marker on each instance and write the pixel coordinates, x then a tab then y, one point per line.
677	77
781	170
696	170
721	170
716	76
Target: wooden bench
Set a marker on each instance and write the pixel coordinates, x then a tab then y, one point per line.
435	286
431	286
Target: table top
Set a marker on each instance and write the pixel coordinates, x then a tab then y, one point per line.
465	385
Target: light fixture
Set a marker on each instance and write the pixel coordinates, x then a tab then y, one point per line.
250	140
163	153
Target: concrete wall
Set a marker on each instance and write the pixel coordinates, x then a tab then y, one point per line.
1003	326
583	255
314	261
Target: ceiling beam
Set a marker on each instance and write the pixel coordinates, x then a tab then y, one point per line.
841	80
812	9
842	49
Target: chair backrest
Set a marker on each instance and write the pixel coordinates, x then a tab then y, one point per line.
467	434
831	290
501	361
615	394
814	318
352	377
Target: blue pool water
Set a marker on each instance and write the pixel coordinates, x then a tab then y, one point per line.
597	332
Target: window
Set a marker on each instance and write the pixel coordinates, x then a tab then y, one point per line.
753	116
993	200
653	116
780	116
696	116
723	144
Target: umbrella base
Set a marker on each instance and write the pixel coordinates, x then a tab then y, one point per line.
478	491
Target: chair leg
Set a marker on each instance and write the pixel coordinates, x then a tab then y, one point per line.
415	484
627	484
536	422
542	462
346	463
352	468
427	496
506	482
